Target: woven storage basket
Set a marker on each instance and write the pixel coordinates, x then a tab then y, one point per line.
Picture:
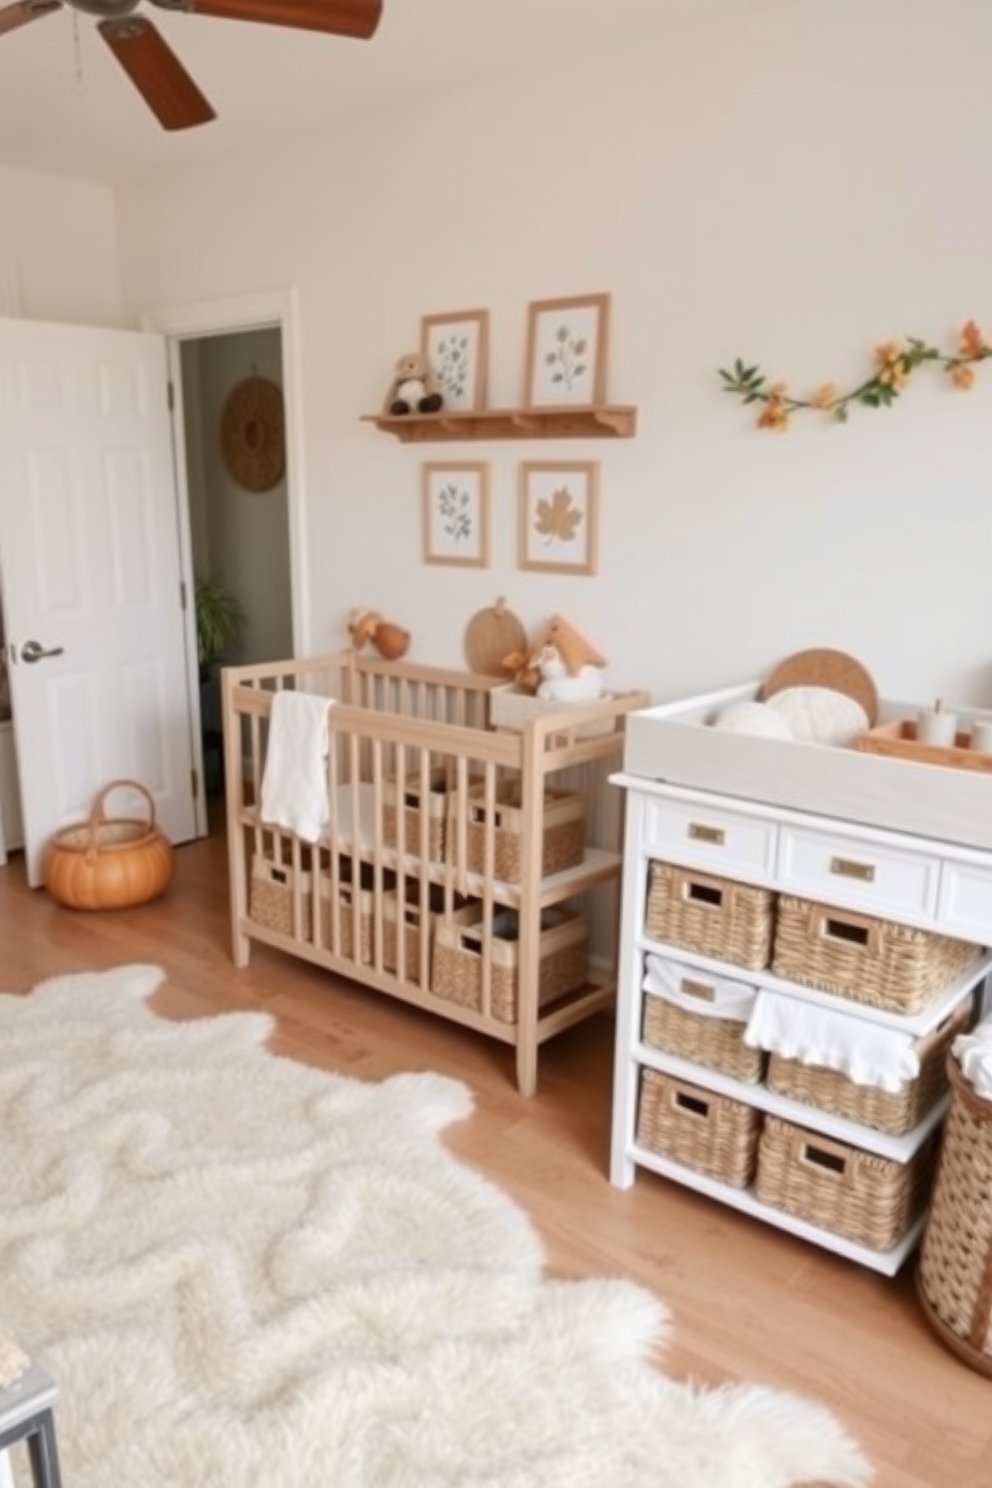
870	1199
893	1111
109	862
410	913
271	896
713	916
873	961
717	1043
271	903
710	1133
564	838
459	947
411	797
954	1277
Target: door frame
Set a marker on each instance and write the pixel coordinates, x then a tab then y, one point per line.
265	310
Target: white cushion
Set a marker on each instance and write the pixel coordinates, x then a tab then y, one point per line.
753	718
819	715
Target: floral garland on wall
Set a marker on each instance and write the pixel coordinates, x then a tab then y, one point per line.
895	362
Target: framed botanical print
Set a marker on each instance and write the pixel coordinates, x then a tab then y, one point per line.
566	351
558	527
457	347
455	513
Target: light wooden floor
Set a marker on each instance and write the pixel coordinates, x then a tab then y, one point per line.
747	1302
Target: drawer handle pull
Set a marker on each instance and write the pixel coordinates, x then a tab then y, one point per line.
701	990
848	868
700	833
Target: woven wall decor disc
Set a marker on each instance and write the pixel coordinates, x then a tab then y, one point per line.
491	635
825	668
253	434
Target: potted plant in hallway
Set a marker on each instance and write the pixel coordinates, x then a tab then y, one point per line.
219	623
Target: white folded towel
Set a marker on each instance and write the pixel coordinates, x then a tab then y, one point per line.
974	1053
294	782
823	1037
729	1000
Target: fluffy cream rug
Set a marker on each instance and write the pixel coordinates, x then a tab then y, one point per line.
246	1273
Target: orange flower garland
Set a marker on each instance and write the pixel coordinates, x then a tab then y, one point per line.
895	362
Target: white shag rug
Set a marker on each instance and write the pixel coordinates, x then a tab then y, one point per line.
246	1273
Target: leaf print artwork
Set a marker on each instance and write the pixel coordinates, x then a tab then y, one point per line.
559	507
454	508
566	351
558	518
451	368
565	360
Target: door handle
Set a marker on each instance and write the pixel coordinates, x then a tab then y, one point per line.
35	651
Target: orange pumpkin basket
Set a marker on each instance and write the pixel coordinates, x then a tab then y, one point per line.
109	862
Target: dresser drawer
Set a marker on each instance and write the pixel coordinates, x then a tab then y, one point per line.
966	901
700	836
889	881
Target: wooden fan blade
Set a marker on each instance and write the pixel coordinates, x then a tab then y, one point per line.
157	73
356	18
13	16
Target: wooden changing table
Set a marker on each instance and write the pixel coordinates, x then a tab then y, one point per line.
419	829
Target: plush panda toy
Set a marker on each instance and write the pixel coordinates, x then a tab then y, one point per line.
413	388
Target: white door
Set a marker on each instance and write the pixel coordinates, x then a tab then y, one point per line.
91	577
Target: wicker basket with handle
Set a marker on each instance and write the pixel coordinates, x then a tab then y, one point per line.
869	960
892	1111
713	916
109	862
839	1187
954	1277
709	1133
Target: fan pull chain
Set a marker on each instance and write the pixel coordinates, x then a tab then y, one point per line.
77	50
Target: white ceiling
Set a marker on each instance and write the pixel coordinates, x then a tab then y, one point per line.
67	108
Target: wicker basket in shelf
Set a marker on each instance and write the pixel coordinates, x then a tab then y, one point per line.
459	946
869	960
270	898
713	916
709	1133
954	1277
700	1036
564	819
271	903
841	1188
410	798
892	1111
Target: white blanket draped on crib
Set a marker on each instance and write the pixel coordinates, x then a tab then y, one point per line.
294	780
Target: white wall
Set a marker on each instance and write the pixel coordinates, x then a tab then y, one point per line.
795	185
60	237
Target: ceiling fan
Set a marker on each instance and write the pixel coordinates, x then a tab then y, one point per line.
153	66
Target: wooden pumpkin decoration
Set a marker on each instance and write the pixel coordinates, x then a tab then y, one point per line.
109	862
491	636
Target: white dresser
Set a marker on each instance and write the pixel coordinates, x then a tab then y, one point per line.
931	883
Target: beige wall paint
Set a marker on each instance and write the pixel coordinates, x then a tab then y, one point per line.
60	236
794	185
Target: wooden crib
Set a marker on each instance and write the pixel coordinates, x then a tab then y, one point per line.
471	871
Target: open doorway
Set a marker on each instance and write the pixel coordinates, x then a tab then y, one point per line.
238	513
239	548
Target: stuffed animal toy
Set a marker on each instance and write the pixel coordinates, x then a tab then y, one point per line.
571	669
557	684
365	626
414	388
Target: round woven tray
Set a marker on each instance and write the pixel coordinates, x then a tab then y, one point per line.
822	667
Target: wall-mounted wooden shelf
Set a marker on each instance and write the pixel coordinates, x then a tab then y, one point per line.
596	421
